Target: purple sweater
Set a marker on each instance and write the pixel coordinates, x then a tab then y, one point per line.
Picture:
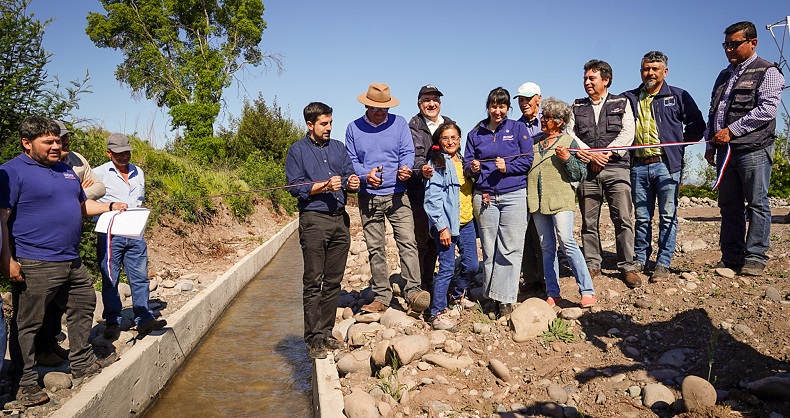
509	138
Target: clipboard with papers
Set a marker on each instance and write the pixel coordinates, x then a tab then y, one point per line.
128	224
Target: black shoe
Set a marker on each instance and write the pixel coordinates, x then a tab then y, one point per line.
752	268
505	309
112	331
736	267
316	348
152	325
79	375
331	343
31	395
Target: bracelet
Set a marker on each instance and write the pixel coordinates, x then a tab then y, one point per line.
111	205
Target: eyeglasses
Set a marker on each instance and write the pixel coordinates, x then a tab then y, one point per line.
378	109
430	99
450	139
546	117
734	44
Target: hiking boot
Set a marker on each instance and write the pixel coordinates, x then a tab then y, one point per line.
48	359
419	301
316	348
112	331
462	303
632	279
594	273
375	307
152	325
588	301
442	321
660	274
752	268
78	376
31	395
332	343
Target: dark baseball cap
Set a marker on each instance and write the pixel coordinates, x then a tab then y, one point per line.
118	143
429	89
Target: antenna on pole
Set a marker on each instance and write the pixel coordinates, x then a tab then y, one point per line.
785	25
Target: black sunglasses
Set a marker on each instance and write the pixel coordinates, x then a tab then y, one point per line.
734	44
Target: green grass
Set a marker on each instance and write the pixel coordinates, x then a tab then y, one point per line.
559	330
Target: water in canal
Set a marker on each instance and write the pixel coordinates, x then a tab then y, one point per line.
253	362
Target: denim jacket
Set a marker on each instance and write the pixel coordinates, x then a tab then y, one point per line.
443	198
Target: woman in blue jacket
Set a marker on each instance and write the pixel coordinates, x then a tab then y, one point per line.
448	203
498	156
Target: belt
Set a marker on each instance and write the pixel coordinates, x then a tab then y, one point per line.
648	160
337	212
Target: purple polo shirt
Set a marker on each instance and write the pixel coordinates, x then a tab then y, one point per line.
46	213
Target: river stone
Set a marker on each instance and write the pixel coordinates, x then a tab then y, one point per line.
367	317
347	312
481	328
393	318
530	319
55	381
357	247
453	347
551	409
438	337
355	361
360	405
185	285
634	391
557	393
694	245
656	395
124	289
725	272
772	294
742	330
499	369
384	408
410	348
379	354
352	332
571	313
436	406
675	357
698	393
773	387
340	330
168	284
449	363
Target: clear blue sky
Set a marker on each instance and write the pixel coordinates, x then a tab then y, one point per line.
332	50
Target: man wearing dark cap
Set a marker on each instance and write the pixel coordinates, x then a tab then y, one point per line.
382	152
41	205
422	127
124	182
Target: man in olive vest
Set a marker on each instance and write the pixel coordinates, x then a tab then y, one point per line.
741	128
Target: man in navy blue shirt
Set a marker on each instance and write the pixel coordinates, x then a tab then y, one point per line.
41	206
323	164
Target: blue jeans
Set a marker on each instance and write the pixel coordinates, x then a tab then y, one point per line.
745	180
503	226
561	224
133	253
467	249
650	183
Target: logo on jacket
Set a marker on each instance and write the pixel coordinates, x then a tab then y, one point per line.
69	176
669	101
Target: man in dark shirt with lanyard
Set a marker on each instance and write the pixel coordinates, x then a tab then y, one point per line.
324	165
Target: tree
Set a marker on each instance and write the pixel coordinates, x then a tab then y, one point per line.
182	54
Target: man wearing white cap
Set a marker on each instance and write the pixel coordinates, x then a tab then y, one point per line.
382	152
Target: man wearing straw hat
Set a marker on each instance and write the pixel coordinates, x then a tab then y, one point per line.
382	152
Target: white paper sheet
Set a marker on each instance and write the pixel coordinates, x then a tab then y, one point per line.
129	223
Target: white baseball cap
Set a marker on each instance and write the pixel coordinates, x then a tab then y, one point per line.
528	89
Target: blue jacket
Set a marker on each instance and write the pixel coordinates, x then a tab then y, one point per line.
509	138
673	108
443	198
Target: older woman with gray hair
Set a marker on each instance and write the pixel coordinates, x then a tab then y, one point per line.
551	199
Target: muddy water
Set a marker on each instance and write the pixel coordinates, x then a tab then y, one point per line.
253	362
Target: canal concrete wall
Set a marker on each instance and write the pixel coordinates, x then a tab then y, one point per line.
128	387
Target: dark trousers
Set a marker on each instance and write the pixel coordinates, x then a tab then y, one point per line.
532	261
325	241
45	282
47	336
426	246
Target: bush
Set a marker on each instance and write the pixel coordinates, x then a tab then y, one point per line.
693	190
262	172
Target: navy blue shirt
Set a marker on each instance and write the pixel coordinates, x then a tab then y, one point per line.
309	161
46	212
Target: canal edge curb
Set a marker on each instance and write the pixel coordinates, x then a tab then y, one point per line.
327	393
130	385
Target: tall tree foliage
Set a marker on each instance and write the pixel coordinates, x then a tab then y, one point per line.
182	54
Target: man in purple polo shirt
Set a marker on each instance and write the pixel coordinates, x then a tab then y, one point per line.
41	205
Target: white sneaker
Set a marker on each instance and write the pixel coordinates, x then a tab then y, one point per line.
442	321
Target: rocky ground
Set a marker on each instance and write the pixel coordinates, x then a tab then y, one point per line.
700	338
183	260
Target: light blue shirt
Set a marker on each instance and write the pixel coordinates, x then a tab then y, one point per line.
132	194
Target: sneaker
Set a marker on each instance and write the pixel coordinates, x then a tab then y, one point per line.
48	359
375	307
31	395
419	301
660	274
316	348
553	300
442	321
112	331
78	376
752	268
594	273
587	301
462	303
152	325
632	279
332	343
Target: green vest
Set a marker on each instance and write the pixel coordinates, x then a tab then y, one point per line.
549	188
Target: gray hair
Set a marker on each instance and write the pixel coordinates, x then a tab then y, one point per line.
554	108
655	56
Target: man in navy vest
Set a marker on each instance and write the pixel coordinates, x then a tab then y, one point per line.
742	124
604	120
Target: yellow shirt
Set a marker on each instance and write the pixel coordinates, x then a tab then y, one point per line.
466	193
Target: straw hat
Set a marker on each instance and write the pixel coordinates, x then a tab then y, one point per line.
378	95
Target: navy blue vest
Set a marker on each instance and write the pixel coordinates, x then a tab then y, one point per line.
610	123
